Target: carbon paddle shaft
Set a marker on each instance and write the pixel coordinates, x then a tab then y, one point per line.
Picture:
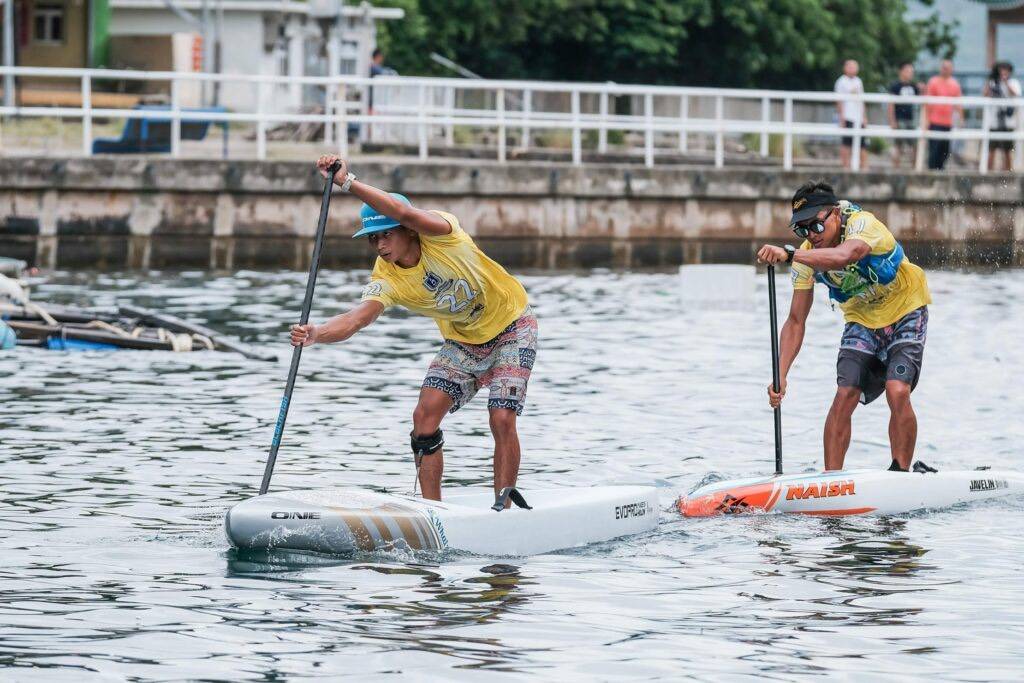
773	315
307	303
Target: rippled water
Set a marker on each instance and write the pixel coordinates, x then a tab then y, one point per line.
116	468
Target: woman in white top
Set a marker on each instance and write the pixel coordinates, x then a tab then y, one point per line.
1002	84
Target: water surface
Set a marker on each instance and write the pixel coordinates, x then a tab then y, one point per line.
117	468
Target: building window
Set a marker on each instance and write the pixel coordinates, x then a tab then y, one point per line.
48	24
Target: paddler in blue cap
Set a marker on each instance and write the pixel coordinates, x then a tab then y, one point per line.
884	298
427	263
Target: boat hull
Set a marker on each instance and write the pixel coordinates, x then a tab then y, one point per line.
850	492
347	521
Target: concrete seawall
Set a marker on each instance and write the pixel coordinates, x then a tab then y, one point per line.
117	213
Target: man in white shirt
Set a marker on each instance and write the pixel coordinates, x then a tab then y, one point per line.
851	111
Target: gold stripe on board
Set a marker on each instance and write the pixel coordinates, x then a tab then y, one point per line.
364	540
410	523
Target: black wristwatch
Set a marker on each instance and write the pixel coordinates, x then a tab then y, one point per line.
790	252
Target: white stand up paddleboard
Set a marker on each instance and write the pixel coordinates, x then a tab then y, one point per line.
344	521
851	492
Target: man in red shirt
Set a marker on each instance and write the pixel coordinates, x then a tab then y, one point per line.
940	116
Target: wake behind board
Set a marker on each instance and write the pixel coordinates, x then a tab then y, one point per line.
346	521
850	492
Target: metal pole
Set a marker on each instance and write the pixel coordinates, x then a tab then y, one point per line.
602	133
719	135
649	130
500	97
176	120
773	315
86	115
307	303
8	51
261	123
787	142
765	117
524	136
577	150
983	142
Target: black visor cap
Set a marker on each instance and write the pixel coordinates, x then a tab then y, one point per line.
808	206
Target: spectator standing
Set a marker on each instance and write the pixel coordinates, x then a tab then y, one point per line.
940	117
1001	84
377	68
902	115
851	111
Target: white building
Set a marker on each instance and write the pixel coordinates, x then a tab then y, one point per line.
266	37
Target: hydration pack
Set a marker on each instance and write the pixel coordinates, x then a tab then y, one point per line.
873	269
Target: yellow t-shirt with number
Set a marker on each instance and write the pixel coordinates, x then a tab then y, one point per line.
879	289
471	297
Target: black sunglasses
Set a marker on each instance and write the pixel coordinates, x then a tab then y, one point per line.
816	226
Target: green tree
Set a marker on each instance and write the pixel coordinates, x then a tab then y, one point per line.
794	44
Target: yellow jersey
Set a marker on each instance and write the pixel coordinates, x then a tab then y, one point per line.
470	296
879	289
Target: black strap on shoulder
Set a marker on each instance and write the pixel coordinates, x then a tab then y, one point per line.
506	494
923	468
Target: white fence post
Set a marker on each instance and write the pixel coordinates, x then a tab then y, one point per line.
261	123
649	130
423	122
855	150
983	152
500	97
602	133
524	139
449	105
87	115
719	135
922	146
330	102
684	114
577	144
176	119
342	124
766	115
787	143
1018	150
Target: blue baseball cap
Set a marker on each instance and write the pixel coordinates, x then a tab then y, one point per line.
374	221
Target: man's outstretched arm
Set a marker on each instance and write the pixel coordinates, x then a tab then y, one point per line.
339	328
833	258
418	220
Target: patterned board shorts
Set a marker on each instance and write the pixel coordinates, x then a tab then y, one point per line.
503	365
869	358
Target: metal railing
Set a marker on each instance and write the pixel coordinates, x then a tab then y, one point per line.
430	110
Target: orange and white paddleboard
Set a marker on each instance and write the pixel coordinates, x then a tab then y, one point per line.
850	492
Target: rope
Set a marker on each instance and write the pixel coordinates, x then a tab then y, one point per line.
41	312
114	329
205	341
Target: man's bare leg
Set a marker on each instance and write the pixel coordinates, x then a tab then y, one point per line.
433	405
844	155
902	422
838	426
506	447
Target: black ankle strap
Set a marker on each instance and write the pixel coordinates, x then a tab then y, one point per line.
506	494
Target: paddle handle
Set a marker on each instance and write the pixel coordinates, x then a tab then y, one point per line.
307	304
773	315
